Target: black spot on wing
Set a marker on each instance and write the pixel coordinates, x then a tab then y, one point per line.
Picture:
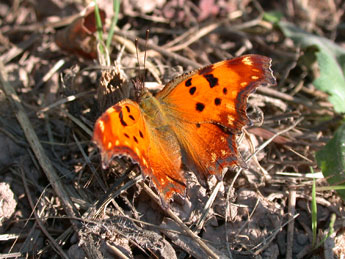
212	81
131	117
192	90
141	134
200	107
188	82
128	109
121	119
217	101
126	135
135	139
225	91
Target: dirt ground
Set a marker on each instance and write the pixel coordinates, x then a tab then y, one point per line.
57	201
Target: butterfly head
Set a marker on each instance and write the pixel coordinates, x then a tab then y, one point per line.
140	91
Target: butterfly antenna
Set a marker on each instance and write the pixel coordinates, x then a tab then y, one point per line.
145	51
138	82
137	52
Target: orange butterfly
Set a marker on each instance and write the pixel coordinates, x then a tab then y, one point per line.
194	119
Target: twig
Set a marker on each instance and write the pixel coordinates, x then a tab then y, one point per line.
263	145
17	50
10	255
39	221
161	50
289	98
207	207
99	206
196	36
267	241
50	73
116	251
88	162
227	211
291	225
37	148
179	222
70	98
130	46
78	122
240	170
249	217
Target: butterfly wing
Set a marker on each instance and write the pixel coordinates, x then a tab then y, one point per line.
208	106
124	130
217	93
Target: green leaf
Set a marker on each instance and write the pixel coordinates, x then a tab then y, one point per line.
331	60
331	160
331	80
273	17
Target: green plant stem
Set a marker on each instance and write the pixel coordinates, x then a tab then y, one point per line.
99	28
116	7
314	211
330	230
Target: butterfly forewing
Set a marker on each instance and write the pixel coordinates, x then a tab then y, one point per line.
121	130
217	93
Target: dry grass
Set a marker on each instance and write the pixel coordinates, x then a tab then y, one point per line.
58	200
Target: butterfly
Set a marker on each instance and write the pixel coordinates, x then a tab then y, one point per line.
193	120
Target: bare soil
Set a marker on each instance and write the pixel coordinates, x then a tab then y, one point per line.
57	201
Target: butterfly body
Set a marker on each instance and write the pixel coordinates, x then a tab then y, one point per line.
194	119
153	110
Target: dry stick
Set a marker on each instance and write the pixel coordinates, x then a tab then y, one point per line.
50	73
41	26
249	217
64	100
290	230
181	37
211	27
10	255
33	208
117	251
38	220
130	46
267	241
17	50
78	122
273	137
88	162
179	222
7	237
196	33
298	154
199	225
239	171
37	148
196	36
286	97
161	50
96	208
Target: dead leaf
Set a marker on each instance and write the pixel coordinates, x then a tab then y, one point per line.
78	38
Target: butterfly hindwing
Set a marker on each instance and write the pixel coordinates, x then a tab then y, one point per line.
210	150
124	130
